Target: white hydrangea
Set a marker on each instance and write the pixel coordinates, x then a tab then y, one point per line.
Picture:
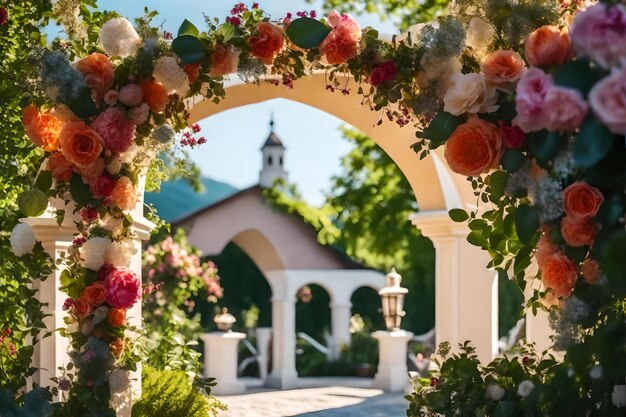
22	239
525	388
119	38
119	381
495	392
114	166
168	72
94	252
119	253
479	35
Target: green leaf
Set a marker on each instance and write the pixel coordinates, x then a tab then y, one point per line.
44	181
476	238
83	105
188	28
32	203
227	30
545	145
593	142
512	160
579	75
458	215
526	223
307	33
440	129
80	191
189	49
497	183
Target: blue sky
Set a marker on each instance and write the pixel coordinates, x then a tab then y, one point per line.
314	145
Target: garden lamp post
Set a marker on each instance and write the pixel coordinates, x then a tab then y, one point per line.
224	320
392	298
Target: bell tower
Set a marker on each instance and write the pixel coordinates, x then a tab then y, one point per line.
273	159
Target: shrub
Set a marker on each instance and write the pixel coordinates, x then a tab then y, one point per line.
172	394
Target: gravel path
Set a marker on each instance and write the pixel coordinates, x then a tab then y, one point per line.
318	397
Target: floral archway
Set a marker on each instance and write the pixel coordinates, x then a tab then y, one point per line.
529	100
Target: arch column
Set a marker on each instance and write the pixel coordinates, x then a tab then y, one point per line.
284	374
466	292
340	326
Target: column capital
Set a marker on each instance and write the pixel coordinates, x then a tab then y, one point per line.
438	224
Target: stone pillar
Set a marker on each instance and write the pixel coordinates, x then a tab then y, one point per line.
340	325
263	338
466	292
220	361
392	372
284	375
51	352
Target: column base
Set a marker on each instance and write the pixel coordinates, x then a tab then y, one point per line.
228	388
392	375
285	381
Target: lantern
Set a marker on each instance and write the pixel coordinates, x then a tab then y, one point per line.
392	297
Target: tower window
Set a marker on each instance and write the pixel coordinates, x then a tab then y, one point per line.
280	161
269	160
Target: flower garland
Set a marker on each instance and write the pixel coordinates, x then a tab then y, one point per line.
548	130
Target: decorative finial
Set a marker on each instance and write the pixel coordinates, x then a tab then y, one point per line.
272	121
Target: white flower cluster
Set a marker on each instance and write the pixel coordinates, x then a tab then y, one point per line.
495	392
469	93
525	388
479	36
94	252
119	38
22	239
119	253
548	197
168	72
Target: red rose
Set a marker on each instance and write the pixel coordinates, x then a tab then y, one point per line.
383	73
102	186
512	136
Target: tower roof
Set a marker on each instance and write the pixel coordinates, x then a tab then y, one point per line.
272	139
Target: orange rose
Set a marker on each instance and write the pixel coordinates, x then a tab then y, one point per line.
559	275
82	307
42	128
339	46
124	194
192	71
99	73
548	46
154	95
578	233
581	201
93	171
474	148
545	249
224	61
266	42
503	66
60	168
80	144
95	294
590	271
116	317
117	347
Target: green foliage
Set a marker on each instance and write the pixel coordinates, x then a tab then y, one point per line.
36	403
172	394
307	32
407	12
175	271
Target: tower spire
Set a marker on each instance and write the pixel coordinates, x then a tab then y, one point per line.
273	154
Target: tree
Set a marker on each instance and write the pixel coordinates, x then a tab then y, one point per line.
373	201
407	12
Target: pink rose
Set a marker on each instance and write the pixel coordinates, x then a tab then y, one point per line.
123	288
530	100
600	33
116	130
608	101
341	44
565	109
131	95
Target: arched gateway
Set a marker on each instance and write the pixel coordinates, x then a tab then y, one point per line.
462	310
